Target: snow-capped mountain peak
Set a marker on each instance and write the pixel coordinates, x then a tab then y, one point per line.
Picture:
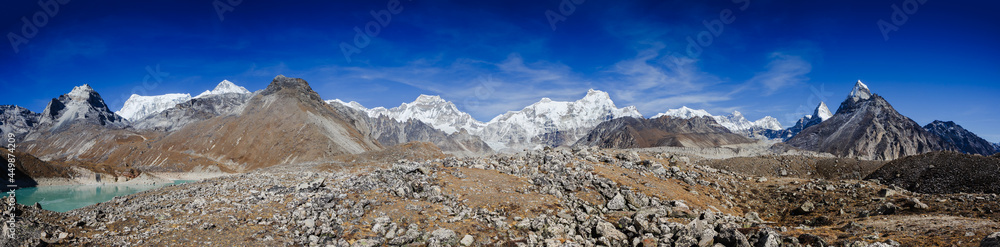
820	114
224	87
139	107
552	123
822	111
597	96
739	124
860	92
81	92
768	122
684	112
430	109
429	99
80	104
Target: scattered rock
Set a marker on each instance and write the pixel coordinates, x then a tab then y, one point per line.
993	240
812	240
468	240
606	229
617	203
753	217
915	203
731	237
443	235
805	208
886	192
887	209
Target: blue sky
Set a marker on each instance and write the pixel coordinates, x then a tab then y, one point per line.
777	58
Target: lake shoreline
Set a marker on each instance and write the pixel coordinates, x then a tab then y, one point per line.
63	198
89	178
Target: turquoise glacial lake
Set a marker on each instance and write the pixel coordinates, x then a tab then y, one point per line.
62	198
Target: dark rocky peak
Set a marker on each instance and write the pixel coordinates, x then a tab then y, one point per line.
292	87
80	104
964	140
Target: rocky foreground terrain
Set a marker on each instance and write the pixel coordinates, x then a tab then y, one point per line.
553	197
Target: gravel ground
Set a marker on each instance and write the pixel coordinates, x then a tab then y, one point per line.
553	197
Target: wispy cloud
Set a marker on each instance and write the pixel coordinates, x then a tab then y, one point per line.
783	71
650	81
654	82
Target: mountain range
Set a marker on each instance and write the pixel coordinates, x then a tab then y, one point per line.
544	123
964	140
700	132
734	122
231	129
867	126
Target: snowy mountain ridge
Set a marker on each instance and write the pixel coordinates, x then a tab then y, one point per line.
684	112
432	110
138	107
552	123
545	122
734	122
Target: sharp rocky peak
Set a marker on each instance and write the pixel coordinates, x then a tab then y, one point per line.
860	92
82	92
82	103
822	112
281	82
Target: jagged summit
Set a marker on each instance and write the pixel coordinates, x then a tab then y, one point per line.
295	86
822	111
81	92
224	87
964	140
81	104
860	92
820	114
